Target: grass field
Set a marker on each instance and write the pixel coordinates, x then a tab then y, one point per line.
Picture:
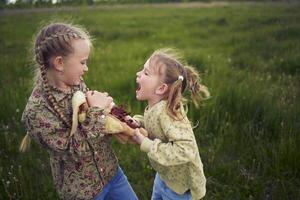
249	56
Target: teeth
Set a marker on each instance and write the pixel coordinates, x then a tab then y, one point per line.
138	87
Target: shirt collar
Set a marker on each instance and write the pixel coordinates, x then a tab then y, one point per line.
156	106
59	94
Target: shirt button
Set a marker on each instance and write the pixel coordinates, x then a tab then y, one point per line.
101	170
102	116
96	152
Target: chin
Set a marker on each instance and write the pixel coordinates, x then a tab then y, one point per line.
138	97
76	83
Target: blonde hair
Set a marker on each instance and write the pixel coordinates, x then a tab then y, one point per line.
178	76
52	40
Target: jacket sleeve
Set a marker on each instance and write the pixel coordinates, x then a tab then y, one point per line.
45	128
180	146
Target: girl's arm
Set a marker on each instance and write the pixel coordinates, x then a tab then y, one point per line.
180	148
45	129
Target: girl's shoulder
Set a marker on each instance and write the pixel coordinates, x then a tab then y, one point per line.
35	102
163	112
156	109
172	126
37	96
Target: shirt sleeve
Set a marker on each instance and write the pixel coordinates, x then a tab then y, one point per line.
93	125
178	149
94	122
44	127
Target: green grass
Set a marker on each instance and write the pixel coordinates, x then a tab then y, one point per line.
249	57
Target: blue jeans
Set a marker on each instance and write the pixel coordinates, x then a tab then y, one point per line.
117	189
162	192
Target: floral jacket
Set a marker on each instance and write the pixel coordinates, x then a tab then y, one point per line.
81	164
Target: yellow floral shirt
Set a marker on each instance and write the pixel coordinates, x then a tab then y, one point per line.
174	152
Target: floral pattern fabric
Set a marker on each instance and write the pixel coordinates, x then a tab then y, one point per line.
81	164
174	152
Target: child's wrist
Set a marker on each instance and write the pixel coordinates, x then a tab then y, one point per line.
141	139
145	146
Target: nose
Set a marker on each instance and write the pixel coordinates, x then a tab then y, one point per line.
138	73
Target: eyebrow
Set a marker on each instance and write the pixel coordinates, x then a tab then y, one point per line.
146	69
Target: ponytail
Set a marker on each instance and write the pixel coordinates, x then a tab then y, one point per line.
198	91
25	144
174	99
179	77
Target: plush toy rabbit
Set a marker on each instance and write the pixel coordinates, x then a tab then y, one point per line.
115	119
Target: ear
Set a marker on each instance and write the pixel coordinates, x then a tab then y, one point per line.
58	63
162	89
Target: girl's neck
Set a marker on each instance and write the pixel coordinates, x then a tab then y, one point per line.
54	80
154	101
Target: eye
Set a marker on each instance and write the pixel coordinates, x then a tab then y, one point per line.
146	72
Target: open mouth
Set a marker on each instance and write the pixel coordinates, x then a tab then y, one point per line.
138	88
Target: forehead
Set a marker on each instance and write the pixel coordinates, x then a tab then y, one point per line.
154	64
146	65
81	47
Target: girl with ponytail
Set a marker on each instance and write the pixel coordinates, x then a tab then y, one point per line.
83	164
171	147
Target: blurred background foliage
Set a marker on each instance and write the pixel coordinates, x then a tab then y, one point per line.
248	56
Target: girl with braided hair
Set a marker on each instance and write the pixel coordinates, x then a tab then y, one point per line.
83	164
171	147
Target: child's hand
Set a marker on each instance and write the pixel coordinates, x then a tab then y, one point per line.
129	119
138	137
98	99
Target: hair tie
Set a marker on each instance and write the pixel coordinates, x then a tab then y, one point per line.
180	77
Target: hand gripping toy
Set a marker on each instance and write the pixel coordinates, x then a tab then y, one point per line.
115	121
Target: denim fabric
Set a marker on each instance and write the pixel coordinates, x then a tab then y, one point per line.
117	189
162	192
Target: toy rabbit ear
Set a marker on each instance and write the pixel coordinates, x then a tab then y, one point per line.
74	120
82	117
77	100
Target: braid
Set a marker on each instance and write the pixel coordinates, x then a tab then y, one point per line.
61	37
51	98
55	39
43	70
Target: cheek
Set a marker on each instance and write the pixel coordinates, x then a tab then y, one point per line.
71	75
73	70
145	78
